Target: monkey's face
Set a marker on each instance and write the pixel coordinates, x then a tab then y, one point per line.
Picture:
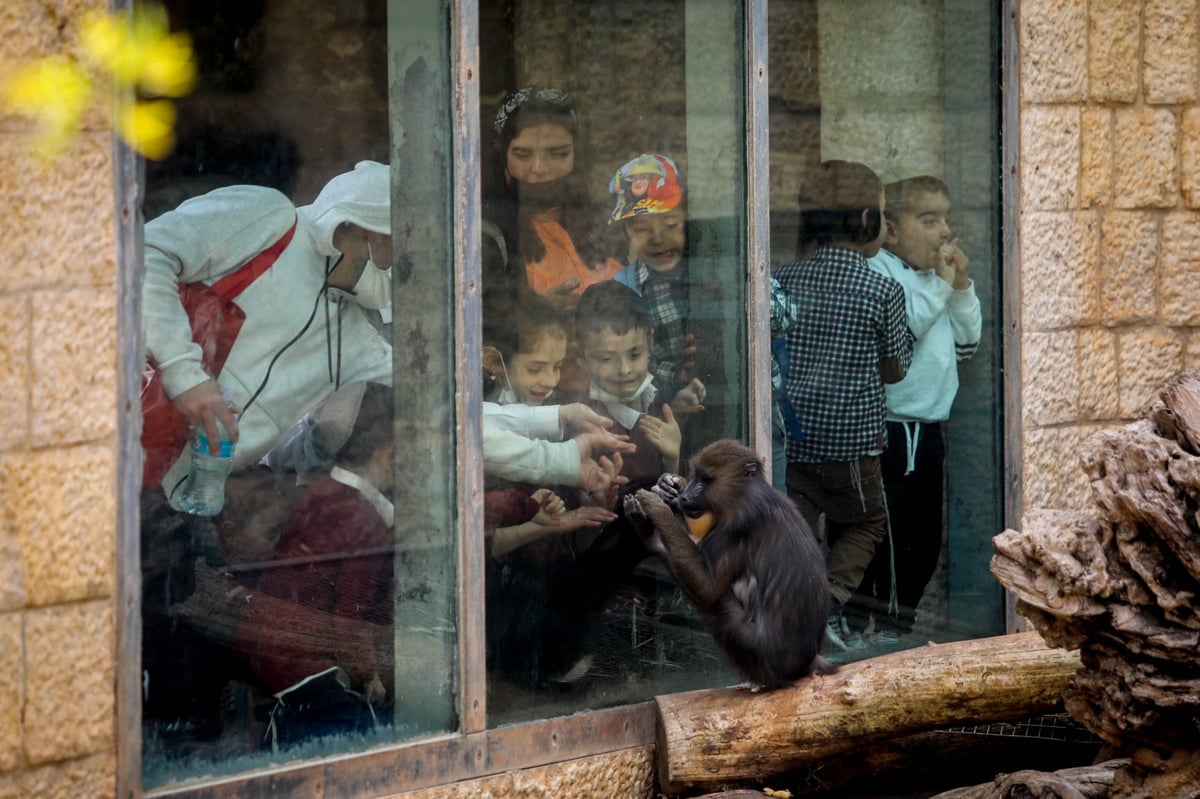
692	503
716	485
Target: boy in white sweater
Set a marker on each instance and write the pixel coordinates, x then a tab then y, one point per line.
921	253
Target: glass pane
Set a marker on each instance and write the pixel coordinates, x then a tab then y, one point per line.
614	212
908	89
302	613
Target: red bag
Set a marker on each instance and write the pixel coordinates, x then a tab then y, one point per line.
216	321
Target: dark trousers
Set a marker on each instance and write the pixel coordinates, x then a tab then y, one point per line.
850	497
916	503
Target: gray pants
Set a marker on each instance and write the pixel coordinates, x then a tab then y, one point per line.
850	497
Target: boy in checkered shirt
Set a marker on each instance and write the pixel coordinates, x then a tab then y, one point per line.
850	339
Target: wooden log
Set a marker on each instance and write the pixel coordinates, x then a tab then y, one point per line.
730	736
1085	782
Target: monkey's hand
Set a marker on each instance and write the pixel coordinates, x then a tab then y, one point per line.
635	512
665	535
669	487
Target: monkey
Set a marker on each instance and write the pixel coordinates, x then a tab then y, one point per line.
745	557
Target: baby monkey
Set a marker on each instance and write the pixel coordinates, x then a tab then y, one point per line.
746	558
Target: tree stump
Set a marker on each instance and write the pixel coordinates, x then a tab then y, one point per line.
1121	587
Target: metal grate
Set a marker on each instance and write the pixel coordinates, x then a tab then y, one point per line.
1050	727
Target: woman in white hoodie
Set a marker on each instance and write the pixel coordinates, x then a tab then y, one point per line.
306	332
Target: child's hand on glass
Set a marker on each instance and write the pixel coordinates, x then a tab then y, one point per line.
579	418
563	296
373	690
689	399
600	480
687	354
550	508
665	435
584	516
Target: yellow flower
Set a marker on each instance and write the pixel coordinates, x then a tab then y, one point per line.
54	91
135	56
169	70
140	51
148	126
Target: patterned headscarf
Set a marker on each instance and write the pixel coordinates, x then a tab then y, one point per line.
539	98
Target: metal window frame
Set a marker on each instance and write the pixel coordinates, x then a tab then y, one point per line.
1010	187
473	751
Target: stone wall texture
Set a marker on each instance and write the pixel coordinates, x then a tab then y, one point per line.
627	773
58	345
1108	222
1109	308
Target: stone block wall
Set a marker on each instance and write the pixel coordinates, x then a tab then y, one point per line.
1109	222
58	346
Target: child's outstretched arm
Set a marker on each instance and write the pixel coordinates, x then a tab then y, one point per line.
601	480
579	418
552	518
544	521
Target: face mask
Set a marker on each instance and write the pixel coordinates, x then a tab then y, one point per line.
370	255
637	397
538	196
626	411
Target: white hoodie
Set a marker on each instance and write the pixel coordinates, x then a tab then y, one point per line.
947	325
212	235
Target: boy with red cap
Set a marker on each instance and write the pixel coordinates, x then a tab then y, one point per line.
650	207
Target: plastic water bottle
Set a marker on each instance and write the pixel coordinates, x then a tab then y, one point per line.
203	492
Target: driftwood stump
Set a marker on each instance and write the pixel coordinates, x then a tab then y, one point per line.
1087	782
1121	587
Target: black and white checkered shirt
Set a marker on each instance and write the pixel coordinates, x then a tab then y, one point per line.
667	300
849	317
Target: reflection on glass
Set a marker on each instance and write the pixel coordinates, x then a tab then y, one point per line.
614	337
274	623
612	282
909	91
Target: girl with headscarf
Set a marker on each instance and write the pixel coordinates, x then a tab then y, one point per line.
540	232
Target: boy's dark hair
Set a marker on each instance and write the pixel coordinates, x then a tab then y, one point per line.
900	193
516	325
372	427
610	304
832	204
